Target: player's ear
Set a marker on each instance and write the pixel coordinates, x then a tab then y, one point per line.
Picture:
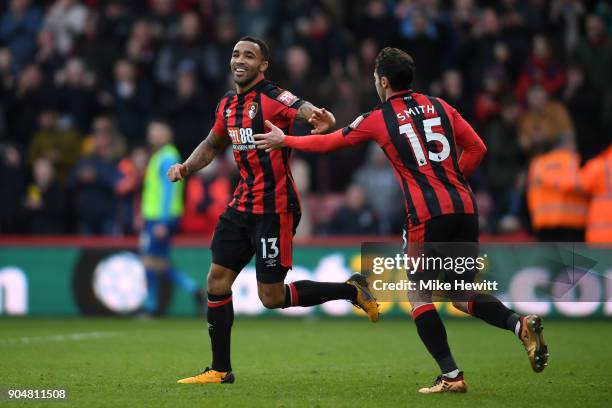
384	82
264	66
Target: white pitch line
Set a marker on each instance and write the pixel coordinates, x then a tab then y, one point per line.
58	338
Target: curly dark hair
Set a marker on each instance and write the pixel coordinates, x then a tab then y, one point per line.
397	66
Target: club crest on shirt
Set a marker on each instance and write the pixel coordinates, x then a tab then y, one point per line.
287	98
228	112
252	109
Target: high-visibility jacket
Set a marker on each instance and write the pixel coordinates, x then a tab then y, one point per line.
550	206
162	200
595	178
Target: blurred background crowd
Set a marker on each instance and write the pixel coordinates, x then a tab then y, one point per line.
81	80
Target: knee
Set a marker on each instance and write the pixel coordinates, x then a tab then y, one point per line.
219	281
272	300
461	305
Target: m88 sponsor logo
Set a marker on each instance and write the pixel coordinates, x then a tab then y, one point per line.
242	138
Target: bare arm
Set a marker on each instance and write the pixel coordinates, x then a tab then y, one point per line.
200	157
321	119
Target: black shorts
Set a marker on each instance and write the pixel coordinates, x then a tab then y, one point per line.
452	236
240	235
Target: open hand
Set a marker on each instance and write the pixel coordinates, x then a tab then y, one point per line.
321	120
273	140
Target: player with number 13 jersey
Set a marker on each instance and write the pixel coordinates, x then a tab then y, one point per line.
263	215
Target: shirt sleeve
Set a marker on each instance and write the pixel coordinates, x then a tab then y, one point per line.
285	107
318	143
359	131
219	126
473	147
362	129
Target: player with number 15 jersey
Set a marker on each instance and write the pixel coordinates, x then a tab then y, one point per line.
421	135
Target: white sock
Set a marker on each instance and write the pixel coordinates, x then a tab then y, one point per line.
517	328
452	374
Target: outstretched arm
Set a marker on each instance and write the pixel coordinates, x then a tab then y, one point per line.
320	119
201	157
276	139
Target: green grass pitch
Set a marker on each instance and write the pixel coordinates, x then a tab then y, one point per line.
299	363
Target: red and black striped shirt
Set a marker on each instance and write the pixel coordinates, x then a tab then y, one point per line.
421	135
266	185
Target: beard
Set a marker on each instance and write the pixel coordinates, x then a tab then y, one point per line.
246	79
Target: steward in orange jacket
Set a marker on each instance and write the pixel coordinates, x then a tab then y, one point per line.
556	214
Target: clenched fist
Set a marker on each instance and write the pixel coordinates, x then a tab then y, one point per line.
177	172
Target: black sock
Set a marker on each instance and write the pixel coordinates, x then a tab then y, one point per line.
220	317
433	334
492	311
310	293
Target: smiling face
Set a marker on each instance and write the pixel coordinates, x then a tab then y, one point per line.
247	63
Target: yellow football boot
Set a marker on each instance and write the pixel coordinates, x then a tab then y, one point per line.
209	376
445	384
533	340
365	300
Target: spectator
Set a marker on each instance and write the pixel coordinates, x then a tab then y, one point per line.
378	24
583	103
556	215
594	181
7	85
544	123
164	19
216	55
254	16
453	92
422	41
129	189
97	51
105	127
325	43
541	69
12	189
504	165
47	58
186	109
207	193
377	180
141	49
355	217
92	184
116	20
363	80
488	102
299	76
131	101
77	96
44	202
60	145
66	20
31	96
186	48
19	26
594	53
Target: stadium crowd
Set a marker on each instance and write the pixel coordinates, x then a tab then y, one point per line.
81	80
